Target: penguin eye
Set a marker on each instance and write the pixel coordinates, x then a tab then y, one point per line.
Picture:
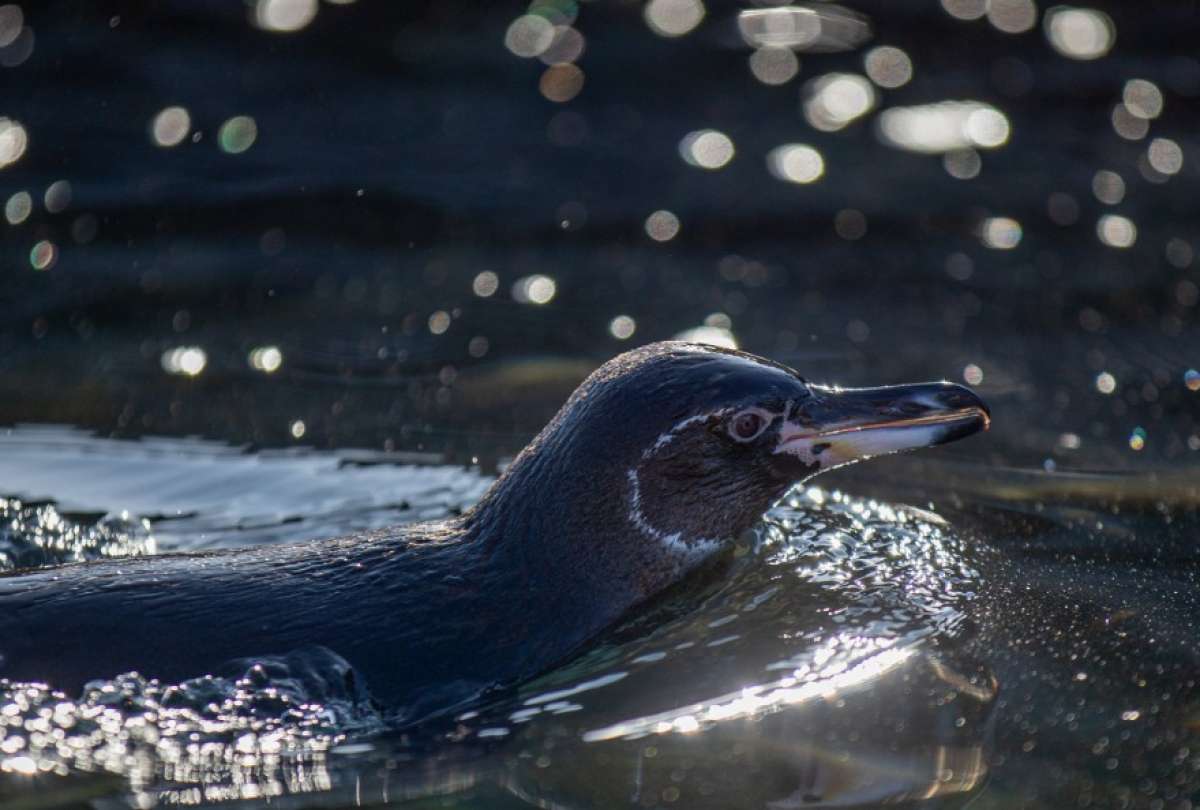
747	425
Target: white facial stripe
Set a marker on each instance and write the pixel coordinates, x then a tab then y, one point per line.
670	435
690	550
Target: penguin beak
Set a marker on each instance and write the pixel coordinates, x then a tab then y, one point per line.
839	425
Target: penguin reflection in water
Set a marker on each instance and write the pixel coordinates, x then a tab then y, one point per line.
654	465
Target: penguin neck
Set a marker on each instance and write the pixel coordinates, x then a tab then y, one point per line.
570	531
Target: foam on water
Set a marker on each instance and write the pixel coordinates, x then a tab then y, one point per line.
262	733
33	535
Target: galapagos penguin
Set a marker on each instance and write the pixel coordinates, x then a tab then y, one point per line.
656	462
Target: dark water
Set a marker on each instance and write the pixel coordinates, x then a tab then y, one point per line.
318	311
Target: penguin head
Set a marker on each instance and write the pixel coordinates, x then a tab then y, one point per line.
700	441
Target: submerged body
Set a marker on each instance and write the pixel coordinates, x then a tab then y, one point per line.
426	617
654	464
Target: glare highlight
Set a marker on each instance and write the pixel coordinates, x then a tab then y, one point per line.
837	99
1116	231
944	127
267	359
186	361
170	127
673	18
706	149
1079	33
803	28
284	16
535	289
796	163
13	142
1000	233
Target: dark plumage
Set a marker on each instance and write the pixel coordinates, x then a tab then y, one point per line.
655	462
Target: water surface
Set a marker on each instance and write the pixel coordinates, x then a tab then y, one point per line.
283	270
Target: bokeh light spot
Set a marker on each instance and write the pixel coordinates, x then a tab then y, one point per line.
266	359
965	9
1000	233
13	142
888	66
782	27
12	20
673	18
1012	16
774	66
43	255
796	163
944	127
1106	383
823	27
58	196
1179	253
237	134
706	149
567	46
1165	156
972	374
298	429
529	36
535	289
1127	125
171	126
987	127
478	346
284	16
1108	186
1116	231
186	361
622	327
18	207
962	164
485	284
836	99
1137	439
1191	379
18	51
561	83
1142	98
439	322
662	226
1079	33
